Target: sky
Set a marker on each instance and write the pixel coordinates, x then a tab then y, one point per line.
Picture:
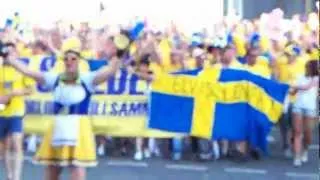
188	14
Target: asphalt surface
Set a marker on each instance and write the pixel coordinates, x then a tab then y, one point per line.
274	167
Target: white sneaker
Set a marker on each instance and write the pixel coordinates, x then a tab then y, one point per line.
297	162
157	152
288	153
216	150
138	156
304	157
101	151
271	139
147	153
176	156
32	144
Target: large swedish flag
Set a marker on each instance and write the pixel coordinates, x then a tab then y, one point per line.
217	104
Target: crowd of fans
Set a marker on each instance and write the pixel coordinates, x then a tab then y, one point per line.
270	46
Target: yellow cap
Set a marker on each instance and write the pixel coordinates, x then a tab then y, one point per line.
121	41
72	43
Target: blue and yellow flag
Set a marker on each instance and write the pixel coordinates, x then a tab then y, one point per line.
217	104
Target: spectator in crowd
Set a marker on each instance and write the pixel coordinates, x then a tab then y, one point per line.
252	65
13	86
289	69
304	112
145	150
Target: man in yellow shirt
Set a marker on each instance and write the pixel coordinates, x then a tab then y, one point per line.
253	66
13	86
173	64
228	58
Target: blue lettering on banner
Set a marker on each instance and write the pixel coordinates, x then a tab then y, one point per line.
133	85
123	110
48	107
125	84
117	86
104	108
47	63
96	108
129	109
113	111
138	108
33	107
93	108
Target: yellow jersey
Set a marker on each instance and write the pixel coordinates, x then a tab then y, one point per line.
289	73
164	68
192	64
88	54
24	51
36	60
235	64
259	70
314	54
10	80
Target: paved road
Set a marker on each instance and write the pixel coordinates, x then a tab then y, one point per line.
275	167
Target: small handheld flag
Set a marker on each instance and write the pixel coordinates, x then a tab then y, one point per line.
135	32
8	23
126	37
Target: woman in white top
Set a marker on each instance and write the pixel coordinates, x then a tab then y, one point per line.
304	112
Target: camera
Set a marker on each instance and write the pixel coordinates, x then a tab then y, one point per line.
4	50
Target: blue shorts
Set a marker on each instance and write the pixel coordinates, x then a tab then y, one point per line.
9	125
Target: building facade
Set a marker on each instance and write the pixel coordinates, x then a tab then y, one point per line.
253	8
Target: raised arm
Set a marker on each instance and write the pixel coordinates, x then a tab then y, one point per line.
5	99
22	68
106	72
314	82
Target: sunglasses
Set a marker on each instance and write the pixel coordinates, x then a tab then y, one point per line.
70	58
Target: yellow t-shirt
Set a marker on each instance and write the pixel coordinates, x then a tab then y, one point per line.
164	68
264	43
24	51
88	54
259	70
263	61
35	61
11	80
235	64
314	54
240	44
289	73
165	50
192	64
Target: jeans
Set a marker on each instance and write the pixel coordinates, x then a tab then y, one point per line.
204	146
177	148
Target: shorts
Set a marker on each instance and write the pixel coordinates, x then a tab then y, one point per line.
305	112
9	125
